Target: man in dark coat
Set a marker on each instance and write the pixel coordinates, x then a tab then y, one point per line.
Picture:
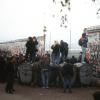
35	49
63	49
29	48
67	72
10	75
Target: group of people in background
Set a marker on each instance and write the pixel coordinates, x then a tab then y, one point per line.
8	69
47	63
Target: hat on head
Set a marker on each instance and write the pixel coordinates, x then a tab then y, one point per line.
84	34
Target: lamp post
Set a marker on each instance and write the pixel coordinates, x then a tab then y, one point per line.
44	30
50	42
70	37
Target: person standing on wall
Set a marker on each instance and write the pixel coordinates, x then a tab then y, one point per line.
35	49
83	43
29	49
55	53
63	49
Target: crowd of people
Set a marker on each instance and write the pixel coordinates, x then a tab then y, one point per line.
54	69
9	68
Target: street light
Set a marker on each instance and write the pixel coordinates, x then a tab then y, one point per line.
44	30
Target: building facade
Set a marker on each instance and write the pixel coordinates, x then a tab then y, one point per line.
93	34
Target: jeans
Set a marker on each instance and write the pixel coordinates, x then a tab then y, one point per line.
67	84
56	58
33	56
9	85
45	77
83	53
63	56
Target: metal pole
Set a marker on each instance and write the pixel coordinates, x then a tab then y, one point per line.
70	37
44	41
50	42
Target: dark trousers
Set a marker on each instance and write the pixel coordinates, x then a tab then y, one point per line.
67	84
44	77
28	56
33	56
9	85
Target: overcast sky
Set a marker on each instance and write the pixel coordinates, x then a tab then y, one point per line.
24	18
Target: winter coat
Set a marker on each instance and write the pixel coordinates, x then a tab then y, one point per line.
67	70
56	48
85	40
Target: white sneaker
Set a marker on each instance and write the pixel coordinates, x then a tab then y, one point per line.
47	87
83	62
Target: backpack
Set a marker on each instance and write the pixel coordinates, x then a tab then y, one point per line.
80	42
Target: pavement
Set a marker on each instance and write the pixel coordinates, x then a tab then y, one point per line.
36	93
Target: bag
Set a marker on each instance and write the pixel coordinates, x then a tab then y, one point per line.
80	42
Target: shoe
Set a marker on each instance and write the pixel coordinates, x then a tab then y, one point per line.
70	91
6	91
43	87
83	62
13	90
64	91
47	87
10	92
